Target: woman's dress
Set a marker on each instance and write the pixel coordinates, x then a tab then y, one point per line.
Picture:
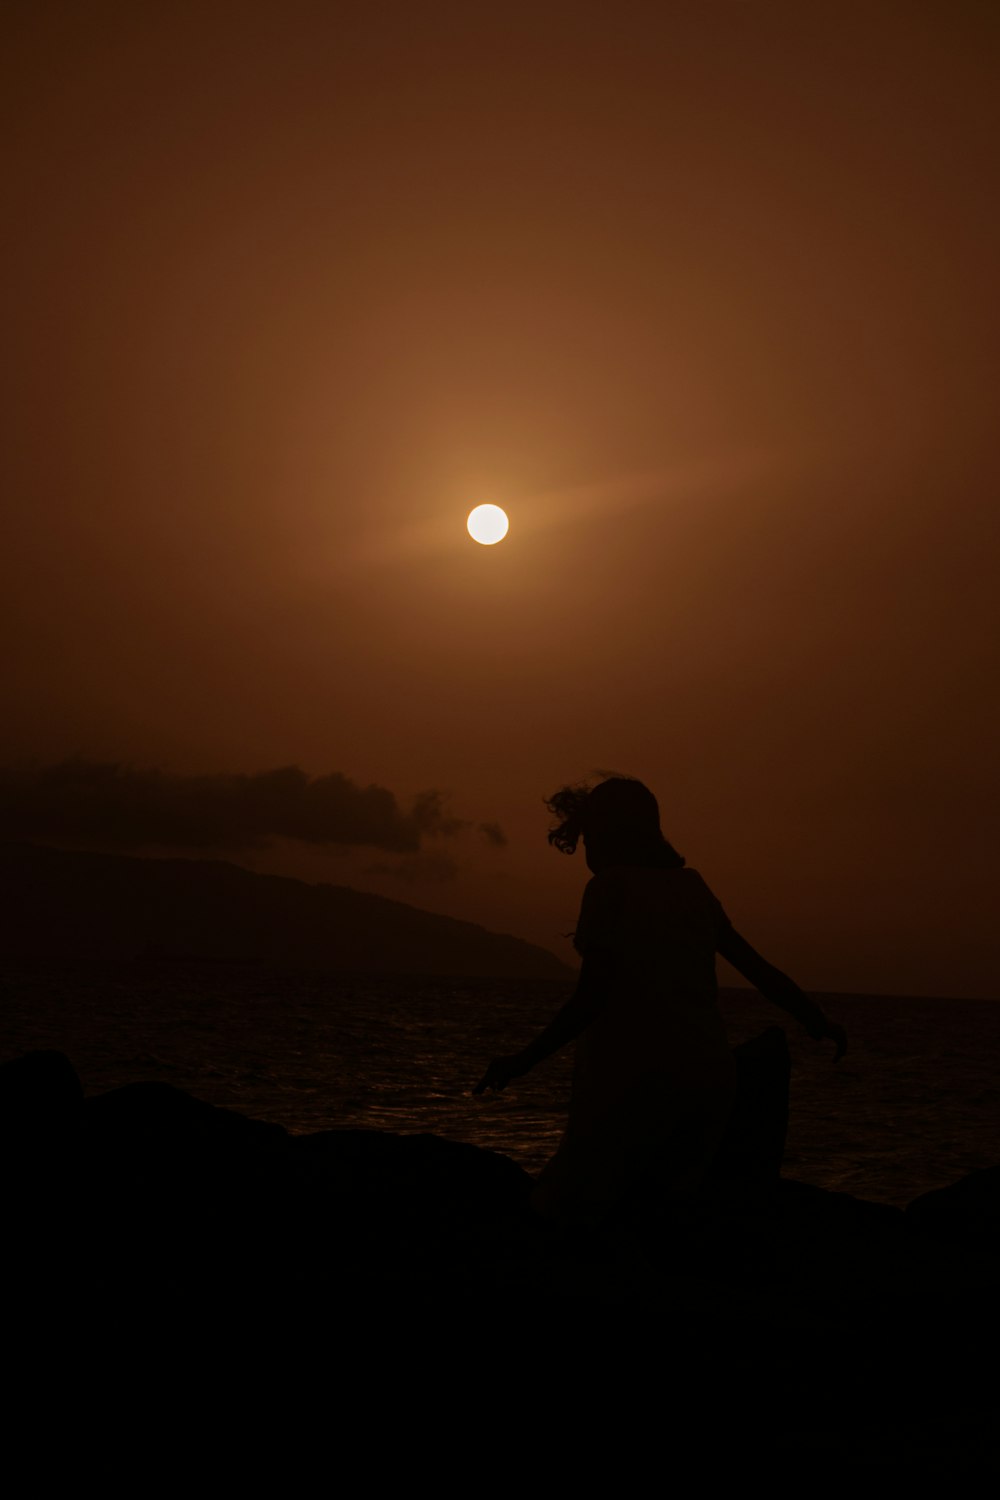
654	1078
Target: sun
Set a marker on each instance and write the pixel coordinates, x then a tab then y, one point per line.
487	524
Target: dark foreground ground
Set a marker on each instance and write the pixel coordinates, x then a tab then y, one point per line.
176	1255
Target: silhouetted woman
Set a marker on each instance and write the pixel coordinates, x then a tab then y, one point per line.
654	1078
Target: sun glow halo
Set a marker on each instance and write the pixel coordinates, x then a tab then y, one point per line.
487	524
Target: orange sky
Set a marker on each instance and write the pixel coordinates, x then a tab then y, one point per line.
704	294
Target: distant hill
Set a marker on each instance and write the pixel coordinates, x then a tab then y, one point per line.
68	904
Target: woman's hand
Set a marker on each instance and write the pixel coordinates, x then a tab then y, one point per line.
500	1072
832	1031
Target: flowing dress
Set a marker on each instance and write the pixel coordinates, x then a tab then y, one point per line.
654	1079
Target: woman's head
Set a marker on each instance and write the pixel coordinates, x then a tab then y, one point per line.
618	820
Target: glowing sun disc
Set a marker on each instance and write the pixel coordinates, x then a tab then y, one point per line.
487	524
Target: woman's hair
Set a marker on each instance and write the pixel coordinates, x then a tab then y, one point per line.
622	810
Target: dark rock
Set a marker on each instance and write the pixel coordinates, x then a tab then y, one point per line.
174	1200
158	1117
407	1222
413	1175
41	1107
147	1138
791	1243
158	1178
39	1092
829	1212
967	1212
816	1315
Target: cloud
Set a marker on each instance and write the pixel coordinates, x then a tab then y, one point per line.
431	816
494	835
118	806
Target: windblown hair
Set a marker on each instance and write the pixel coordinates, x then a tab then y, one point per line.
623	810
567	805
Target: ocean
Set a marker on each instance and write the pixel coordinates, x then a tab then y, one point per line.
914	1105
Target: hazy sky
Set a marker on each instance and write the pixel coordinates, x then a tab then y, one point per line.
703	293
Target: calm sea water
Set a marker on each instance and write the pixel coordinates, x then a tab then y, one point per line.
914	1105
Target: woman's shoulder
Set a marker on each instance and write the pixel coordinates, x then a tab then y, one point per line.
600	910
605	886
702	895
695	881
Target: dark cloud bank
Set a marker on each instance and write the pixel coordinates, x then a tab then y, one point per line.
114	806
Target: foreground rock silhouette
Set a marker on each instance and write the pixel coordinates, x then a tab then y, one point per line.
799	1308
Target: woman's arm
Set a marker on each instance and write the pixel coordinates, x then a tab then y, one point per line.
780	990
586	1001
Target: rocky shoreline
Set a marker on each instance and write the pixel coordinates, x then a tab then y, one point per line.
816	1311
